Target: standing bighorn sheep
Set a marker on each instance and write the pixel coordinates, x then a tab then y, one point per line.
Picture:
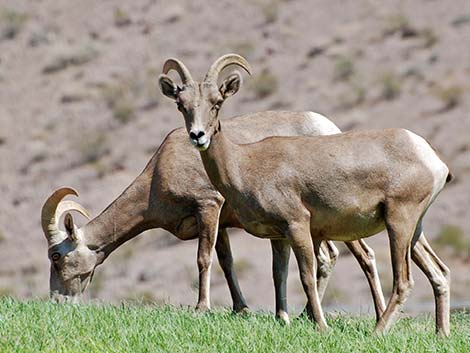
304	190
173	192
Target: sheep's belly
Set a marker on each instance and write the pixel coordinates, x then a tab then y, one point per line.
349	227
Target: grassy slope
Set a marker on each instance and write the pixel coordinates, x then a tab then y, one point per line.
37	326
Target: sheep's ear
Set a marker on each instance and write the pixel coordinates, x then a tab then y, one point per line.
167	86
69	227
231	85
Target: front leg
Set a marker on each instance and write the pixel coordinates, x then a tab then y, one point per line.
305	251
326	256
208	224
281	254
224	254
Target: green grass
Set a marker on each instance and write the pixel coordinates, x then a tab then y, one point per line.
38	326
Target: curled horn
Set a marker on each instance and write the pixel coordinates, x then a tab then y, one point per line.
178	66
54	208
224	61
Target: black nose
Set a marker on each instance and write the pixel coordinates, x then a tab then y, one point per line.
196	134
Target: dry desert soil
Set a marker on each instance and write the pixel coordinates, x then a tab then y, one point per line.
79	106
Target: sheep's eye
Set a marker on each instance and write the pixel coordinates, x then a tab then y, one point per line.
55	256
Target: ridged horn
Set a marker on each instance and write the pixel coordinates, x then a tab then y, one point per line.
224	61
178	66
54	208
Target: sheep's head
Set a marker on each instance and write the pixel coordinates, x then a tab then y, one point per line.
72	262
200	102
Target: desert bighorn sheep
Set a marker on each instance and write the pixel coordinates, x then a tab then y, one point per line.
174	193
304	190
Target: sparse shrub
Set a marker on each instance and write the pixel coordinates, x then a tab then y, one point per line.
355	95
93	147
450	96
83	55
413	72
120	97
173	13
461	20
399	23
390	86
316	51
344	68
265	84
6	292
70	57
121	18
453	237
102	168
130	93
40	37
245	48
112	93
74	92
358	92
123	111
429	37
149	91
2	237
11	23
270	10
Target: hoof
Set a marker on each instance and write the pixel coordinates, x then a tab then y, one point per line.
283	317
441	333
378	331
242	311
202	308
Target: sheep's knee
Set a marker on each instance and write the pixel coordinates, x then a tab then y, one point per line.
204	262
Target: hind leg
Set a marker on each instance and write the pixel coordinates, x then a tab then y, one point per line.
439	276
401	222
326	259
366	258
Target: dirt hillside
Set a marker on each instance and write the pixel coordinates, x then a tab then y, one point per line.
79	106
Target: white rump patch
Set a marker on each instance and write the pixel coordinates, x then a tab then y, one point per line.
430	159
322	125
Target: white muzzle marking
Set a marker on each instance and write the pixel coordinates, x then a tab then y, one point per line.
201	143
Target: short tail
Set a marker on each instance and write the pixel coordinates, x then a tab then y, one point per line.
450	177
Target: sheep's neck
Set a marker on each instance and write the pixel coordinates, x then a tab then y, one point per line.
221	162
125	218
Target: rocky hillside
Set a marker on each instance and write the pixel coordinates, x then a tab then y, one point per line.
79	106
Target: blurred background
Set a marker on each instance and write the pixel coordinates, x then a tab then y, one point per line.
79	106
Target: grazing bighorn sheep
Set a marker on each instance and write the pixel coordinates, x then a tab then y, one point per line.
304	190
173	192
